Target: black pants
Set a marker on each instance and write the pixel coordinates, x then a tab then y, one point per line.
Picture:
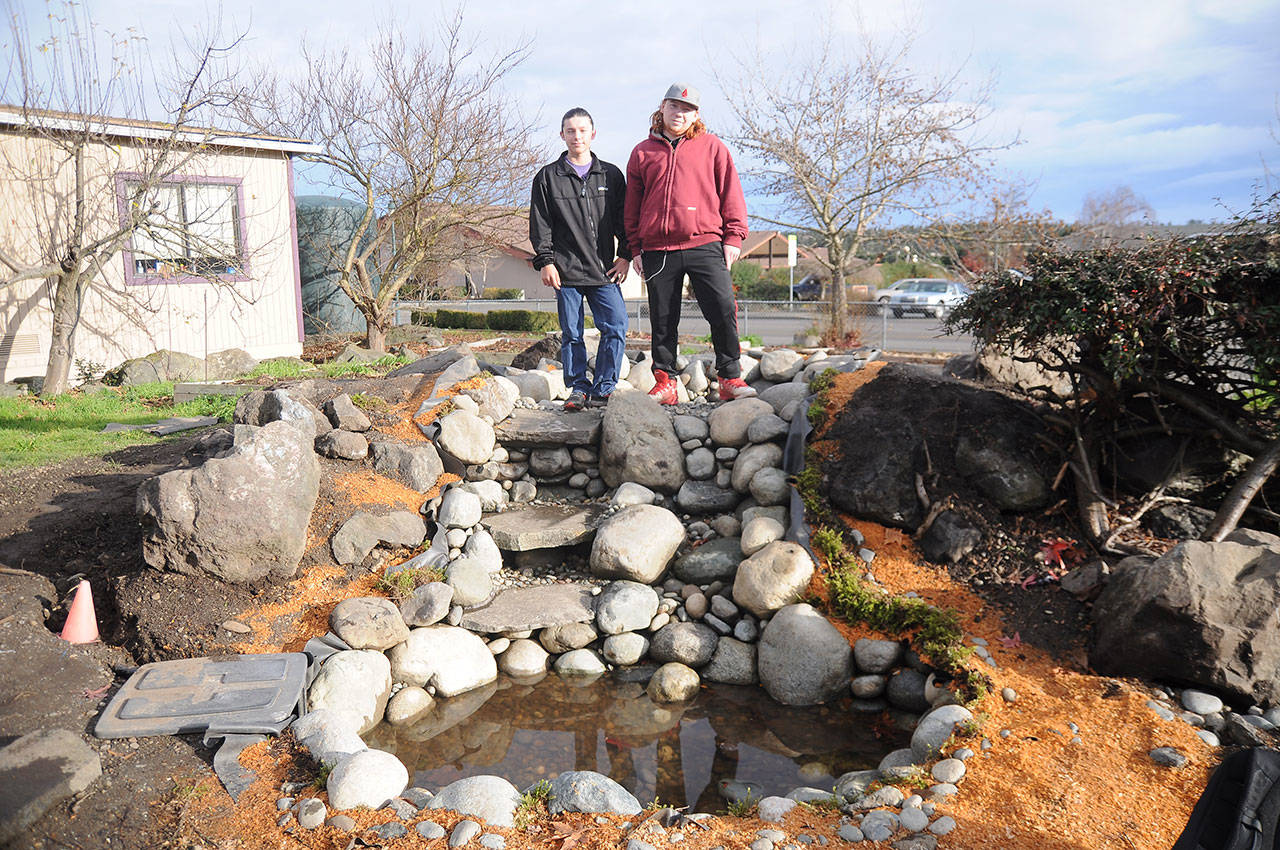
664	273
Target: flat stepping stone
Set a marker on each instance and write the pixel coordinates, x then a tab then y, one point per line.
549	428
238	693
165	427
37	772
542	526
533	608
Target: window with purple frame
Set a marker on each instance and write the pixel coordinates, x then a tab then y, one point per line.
192	230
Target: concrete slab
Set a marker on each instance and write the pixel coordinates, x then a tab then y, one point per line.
164	427
239	693
37	772
549	428
533	608
187	391
543	526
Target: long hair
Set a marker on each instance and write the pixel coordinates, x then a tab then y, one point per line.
656	125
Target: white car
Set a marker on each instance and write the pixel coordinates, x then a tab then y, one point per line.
924	296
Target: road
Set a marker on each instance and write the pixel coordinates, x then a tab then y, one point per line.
776	323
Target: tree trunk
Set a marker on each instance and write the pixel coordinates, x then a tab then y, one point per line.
839	306
1242	492
66	315
376	333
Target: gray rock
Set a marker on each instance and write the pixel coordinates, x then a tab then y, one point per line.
567	637
706	497
898	764
431	830
358	536
1193	614
849	832
767	429
625	606
368	622
691	644
780	365
408	705
240	517
689	427
673	682
489	797
329	734
471	580
523	658
950	770
913	820
637	543
700	464
418	466
481	548
450	659
344	415
780	396
491	494
540	606
943	825
624	649
729	421
1008	477
1168	756
534	428
579	662
759	533
868	687
459	508
802	658
774	809
639	444
342	444
906	691
587	791
550	464
466	436
751	460
732	663
1200	702
39	771
493	841
715	560
542	526
769	487
880	825
935	729
368	779
949	538
356	682
463	832
877	656
311	813
916	842
427	605
771	578
630	493
852	786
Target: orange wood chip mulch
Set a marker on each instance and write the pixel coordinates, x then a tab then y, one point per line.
1034	789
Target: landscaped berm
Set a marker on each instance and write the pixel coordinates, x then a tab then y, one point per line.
434	607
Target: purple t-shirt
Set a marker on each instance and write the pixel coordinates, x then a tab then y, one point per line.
581	169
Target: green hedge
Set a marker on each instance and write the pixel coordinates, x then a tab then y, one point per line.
498	293
523	320
459	319
422	317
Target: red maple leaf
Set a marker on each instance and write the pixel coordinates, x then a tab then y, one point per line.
1052	551
1011	642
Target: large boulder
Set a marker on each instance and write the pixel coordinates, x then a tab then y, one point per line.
906	422
366	780
451	659
466	436
161	365
691	644
1204	614
357	681
636	543
587	791
625	606
729	421
240	517
638	443
358	536
802	658
491	798
417	465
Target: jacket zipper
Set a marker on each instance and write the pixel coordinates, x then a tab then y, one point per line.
670	187
593	228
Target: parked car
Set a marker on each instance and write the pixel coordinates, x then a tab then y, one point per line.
807	288
923	296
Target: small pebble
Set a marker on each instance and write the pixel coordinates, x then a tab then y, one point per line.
493	841
390	831
311	813
346	823
1005	733
463	833
942	825
1208	737
284	804
430	830
1009	694
285	819
913	820
849	832
1168	756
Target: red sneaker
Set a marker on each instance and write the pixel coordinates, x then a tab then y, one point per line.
665	390
731	388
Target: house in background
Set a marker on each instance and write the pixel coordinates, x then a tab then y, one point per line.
220	271
768	250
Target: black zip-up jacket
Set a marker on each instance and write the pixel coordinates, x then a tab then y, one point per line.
574	221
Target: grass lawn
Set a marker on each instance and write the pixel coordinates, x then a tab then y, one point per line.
36	432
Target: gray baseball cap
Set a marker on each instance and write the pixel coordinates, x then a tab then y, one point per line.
685	94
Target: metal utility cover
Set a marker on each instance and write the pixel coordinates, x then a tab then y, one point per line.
239	692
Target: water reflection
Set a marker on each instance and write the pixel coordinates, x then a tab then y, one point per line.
526	731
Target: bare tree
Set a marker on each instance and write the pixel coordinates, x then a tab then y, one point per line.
844	139
77	103
1104	214
424	136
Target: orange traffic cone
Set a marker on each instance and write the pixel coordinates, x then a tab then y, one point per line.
82	622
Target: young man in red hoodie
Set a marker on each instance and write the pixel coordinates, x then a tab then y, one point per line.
685	214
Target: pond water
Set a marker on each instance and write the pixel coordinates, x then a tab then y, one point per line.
677	753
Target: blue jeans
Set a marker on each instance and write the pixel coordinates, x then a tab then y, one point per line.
610	314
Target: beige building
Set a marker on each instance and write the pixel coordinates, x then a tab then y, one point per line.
215	267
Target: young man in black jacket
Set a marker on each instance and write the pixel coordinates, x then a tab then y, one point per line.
575	216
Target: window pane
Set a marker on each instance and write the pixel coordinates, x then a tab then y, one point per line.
158	243
211	222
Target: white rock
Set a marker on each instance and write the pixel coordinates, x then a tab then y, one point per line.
355	680
450	659
366	779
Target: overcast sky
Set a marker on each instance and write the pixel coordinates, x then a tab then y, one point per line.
1176	98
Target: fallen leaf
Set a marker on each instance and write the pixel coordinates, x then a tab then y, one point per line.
97	693
1011	642
892	535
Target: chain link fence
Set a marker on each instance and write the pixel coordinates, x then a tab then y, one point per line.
773	322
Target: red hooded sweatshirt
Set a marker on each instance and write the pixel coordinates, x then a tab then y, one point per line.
683	197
